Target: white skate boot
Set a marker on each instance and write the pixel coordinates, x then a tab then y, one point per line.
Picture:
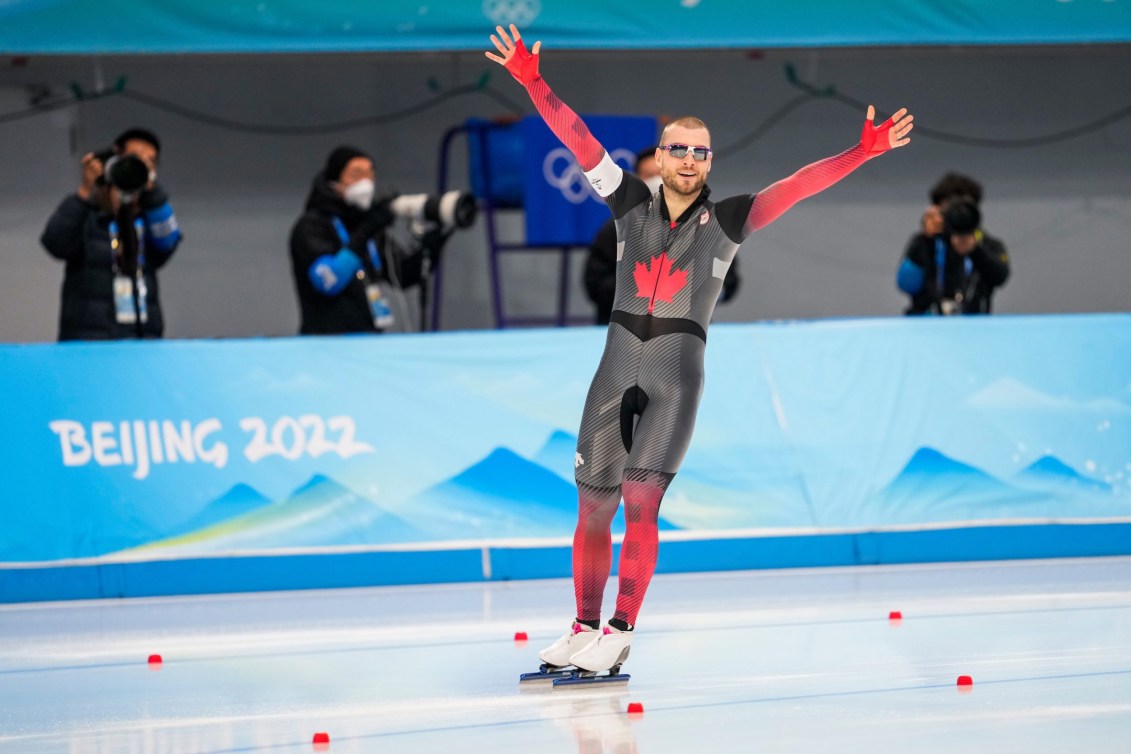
607	653
576	639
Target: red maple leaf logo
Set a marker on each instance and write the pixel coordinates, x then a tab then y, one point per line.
658	281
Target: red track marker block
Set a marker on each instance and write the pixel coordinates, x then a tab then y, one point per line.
520	636
895	615
965	680
321	738
635	708
155	659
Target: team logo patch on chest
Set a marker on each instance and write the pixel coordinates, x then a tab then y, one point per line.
658	280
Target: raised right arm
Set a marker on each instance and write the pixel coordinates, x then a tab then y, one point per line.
564	122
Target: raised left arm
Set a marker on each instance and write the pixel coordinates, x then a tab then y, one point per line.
773	201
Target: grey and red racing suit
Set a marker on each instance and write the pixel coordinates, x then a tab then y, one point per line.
640	410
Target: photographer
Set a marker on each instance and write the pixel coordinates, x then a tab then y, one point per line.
952	266
114	233
349	269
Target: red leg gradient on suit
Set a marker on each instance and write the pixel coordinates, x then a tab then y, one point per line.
593	547
643	490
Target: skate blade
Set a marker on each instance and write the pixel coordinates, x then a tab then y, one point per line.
583	679
545	674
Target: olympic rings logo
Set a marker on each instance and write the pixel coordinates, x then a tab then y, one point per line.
560	169
517	12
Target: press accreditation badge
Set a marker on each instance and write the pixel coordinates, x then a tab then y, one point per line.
124	300
379	306
124	311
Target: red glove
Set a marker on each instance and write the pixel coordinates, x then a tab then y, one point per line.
522	63
875	140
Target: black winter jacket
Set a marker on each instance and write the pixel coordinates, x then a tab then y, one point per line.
314	236
79	234
989	269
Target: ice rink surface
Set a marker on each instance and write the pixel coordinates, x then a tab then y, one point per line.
773	661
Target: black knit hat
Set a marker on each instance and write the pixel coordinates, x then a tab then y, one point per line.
338	160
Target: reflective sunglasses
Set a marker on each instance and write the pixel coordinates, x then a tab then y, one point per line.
679	151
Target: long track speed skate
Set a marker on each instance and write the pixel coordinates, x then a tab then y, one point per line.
584	656
546	673
599	662
555	658
571	677
579	678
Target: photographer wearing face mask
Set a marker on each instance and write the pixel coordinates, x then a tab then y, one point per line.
114	233
349	269
600	276
952	266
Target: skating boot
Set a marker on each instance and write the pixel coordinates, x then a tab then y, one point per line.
555	658
601	660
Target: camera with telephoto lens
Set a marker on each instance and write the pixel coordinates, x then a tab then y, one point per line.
126	172
447	211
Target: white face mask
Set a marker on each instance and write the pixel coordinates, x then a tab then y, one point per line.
654	183
360	194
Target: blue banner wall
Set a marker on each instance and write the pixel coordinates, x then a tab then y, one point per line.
866	440
172	26
561	206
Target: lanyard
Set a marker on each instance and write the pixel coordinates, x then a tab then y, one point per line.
371	245
116	244
940	264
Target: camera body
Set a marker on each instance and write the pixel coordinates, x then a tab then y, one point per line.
126	172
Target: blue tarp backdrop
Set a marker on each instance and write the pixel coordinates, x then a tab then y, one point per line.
80	26
173	451
561	206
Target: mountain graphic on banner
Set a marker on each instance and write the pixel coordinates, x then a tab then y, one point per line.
503	495
506	495
237	501
934	487
557	454
320	513
1051	472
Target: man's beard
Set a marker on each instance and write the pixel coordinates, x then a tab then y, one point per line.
672	185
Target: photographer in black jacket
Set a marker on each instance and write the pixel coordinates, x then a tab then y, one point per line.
349	269
114	233
952	266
